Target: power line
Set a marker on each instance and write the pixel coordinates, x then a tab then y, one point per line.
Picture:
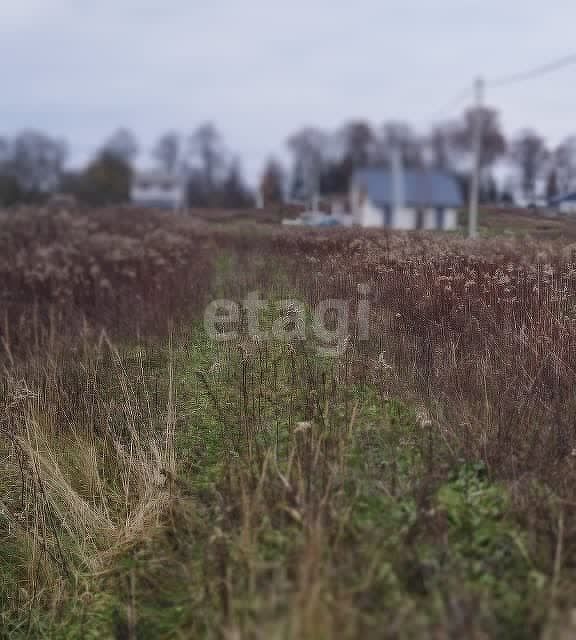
550	67
467	93
464	95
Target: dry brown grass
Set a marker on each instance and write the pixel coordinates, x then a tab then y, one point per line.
256	491
126	270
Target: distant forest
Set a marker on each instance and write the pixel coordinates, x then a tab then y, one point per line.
33	165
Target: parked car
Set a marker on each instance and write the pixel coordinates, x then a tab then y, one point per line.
313	219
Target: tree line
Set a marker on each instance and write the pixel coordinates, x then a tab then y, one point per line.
33	164
33	167
323	162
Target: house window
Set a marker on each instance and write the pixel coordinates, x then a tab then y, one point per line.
439	217
388	216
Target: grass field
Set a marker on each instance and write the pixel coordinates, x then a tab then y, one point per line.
497	221
409	472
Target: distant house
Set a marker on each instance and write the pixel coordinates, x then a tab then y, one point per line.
398	199
564	204
158	190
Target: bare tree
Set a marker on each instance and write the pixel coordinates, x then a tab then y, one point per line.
234	192
551	185
206	147
440	146
564	162
493	140
358	142
529	153
123	144
167	152
308	147
4	152
271	184
401	137
35	160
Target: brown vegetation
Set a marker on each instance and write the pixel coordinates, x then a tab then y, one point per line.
419	485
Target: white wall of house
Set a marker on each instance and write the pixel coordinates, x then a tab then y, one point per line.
450	219
367	214
370	214
166	192
404	219
567	208
429	219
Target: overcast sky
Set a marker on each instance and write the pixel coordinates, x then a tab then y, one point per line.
262	68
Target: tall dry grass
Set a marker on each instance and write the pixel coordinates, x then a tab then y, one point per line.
235	475
86	463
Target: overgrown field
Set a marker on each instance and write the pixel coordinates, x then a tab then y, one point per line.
409	472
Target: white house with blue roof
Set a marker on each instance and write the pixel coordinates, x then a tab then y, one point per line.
411	199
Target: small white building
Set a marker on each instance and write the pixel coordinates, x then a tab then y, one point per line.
412	199
158	190
564	204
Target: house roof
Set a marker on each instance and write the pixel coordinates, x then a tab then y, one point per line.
565	197
422	187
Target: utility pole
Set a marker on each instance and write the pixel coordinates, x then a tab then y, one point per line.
477	153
